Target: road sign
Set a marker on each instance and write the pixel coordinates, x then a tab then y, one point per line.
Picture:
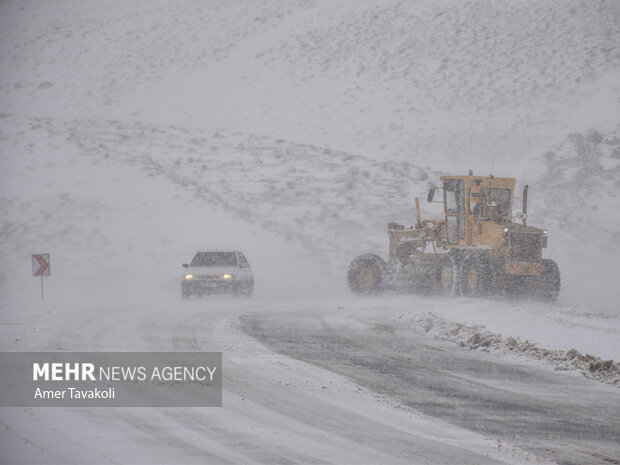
41	267
41	264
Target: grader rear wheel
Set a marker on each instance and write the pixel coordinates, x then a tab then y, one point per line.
475	276
549	281
446	276
472	278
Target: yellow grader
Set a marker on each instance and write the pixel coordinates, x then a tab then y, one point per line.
476	249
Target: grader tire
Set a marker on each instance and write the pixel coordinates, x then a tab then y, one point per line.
549	282
365	275
446	276
475	276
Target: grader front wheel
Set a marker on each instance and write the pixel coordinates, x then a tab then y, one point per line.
365	275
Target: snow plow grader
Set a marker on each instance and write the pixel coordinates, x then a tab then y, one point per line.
476	249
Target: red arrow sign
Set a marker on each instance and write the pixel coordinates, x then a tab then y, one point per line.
41	264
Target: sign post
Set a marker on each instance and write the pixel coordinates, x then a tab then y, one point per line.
41	267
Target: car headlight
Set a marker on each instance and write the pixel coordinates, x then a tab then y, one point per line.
189	276
227	277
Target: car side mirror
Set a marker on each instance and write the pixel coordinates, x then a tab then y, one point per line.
185	265
431	194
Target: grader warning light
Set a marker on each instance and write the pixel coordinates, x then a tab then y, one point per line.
476	249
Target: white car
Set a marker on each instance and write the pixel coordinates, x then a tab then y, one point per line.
217	272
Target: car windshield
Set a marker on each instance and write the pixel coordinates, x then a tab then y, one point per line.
215	259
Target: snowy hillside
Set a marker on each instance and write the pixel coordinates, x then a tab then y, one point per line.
452	84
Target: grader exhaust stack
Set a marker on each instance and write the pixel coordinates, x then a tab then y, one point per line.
525	204
417	213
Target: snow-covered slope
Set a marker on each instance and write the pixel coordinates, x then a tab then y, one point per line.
452	84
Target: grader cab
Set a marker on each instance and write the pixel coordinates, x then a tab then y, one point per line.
475	249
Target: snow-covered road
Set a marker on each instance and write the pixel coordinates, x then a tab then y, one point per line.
557	416
372	392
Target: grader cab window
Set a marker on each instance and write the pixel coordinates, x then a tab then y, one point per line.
495	203
475	201
454	192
